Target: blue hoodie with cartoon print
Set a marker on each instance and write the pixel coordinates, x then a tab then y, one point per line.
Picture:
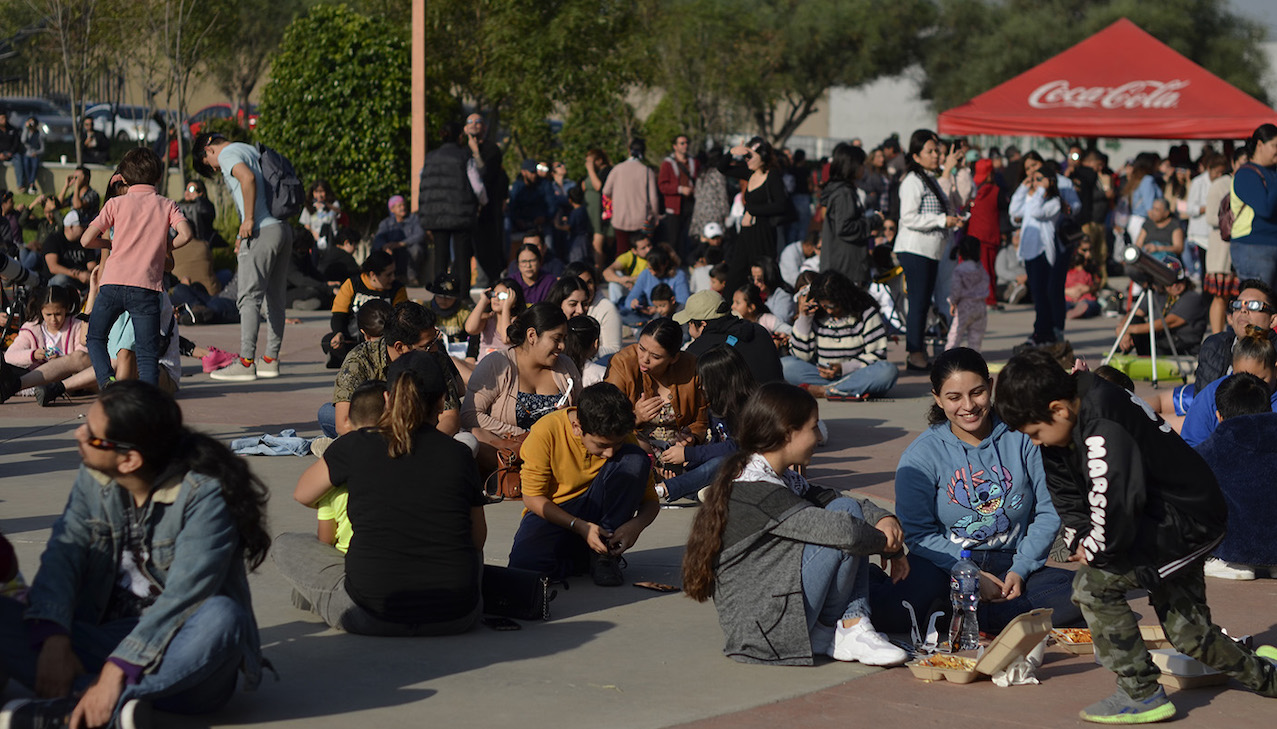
952	496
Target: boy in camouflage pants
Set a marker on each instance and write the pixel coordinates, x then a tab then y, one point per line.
1141	509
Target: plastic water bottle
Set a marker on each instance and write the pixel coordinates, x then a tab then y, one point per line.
964	594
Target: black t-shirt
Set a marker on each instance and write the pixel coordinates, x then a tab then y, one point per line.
70	254
1192	307
412	558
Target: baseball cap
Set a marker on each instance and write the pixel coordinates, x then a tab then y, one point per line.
983	168
712	230
702	306
529	165
71	218
444	285
424	366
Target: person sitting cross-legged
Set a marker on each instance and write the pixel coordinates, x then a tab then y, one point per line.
587	487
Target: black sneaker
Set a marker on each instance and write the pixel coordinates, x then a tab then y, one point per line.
46	394
10	381
605	570
37	713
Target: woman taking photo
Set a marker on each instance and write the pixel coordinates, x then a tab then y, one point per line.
925	228
839	343
765	535
601	308
661	381
970	482
512	389
488	324
1254	201
766	204
414	564
1037	207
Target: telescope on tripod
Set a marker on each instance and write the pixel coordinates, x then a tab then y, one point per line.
1153	275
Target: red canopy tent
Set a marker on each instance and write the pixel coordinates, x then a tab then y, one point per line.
1120	82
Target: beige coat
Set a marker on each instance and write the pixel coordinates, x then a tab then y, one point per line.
493	392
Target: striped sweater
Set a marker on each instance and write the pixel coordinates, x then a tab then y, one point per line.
855	341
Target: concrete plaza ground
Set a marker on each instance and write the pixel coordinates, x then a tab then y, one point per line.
621	657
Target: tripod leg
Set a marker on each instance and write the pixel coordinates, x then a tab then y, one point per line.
1130	317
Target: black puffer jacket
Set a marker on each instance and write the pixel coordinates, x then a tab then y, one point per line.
447	202
752	341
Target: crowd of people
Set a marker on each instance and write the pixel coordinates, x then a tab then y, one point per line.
651	335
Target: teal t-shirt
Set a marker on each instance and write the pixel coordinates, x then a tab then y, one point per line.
240	153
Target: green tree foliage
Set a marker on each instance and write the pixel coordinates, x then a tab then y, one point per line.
251	31
604	123
337	104
979	44
523	62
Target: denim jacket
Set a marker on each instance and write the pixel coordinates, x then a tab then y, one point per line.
194	555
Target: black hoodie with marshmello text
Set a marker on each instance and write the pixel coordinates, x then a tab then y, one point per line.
1130	492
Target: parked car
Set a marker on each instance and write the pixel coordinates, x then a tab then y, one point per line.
220	111
124	122
55	122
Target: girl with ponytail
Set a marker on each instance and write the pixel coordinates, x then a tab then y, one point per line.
765	531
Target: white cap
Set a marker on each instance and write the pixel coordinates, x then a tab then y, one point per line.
713	230
71	218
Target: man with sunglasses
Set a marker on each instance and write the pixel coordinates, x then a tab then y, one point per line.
142	594
1252	307
411	327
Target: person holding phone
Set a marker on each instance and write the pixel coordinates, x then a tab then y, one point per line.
1037	207
490	321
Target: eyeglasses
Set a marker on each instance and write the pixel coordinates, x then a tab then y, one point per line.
1251	305
103	444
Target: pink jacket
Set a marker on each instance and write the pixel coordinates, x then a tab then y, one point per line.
635	199
30	339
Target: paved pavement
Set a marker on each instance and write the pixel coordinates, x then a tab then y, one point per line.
620	657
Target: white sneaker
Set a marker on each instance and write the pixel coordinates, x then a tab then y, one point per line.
236	372
267	370
319	445
1222	570
135	714
862	643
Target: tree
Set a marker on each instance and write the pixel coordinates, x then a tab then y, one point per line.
236	60
978	44
183	29
337	104
77	32
524	61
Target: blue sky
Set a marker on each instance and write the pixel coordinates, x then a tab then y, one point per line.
1264	11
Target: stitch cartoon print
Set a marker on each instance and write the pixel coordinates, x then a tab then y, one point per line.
987	497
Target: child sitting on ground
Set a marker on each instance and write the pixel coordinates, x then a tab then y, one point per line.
367	403
663	302
1141	510
49	341
704	261
718	278
1080	285
968	289
747	304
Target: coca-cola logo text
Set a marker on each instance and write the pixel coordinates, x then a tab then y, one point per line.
1130	95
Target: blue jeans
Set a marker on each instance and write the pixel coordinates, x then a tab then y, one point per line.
632	318
835	583
927	590
196	676
1254	260
27	168
327	417
610	501
876	379
921	274
692	480
144	306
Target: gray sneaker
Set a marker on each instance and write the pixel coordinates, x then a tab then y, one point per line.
1122	709
236	371
267	370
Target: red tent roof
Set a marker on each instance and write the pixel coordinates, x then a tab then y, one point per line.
1120	82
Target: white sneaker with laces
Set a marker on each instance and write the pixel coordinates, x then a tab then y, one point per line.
1222	570
862	643
236	371
267	370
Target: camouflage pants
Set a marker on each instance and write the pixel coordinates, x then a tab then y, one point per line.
1180	603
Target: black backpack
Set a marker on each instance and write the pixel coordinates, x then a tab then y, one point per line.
284	194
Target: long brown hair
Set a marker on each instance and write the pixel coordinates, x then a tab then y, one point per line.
764	424
406	412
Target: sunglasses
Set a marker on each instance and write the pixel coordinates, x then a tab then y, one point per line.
1251	305
103	444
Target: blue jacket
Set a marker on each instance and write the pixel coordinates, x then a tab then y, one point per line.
1241	455
1202	420
952	496
1257	223
647	281
195	554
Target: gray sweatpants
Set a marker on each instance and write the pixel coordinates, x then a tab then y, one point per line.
263	276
